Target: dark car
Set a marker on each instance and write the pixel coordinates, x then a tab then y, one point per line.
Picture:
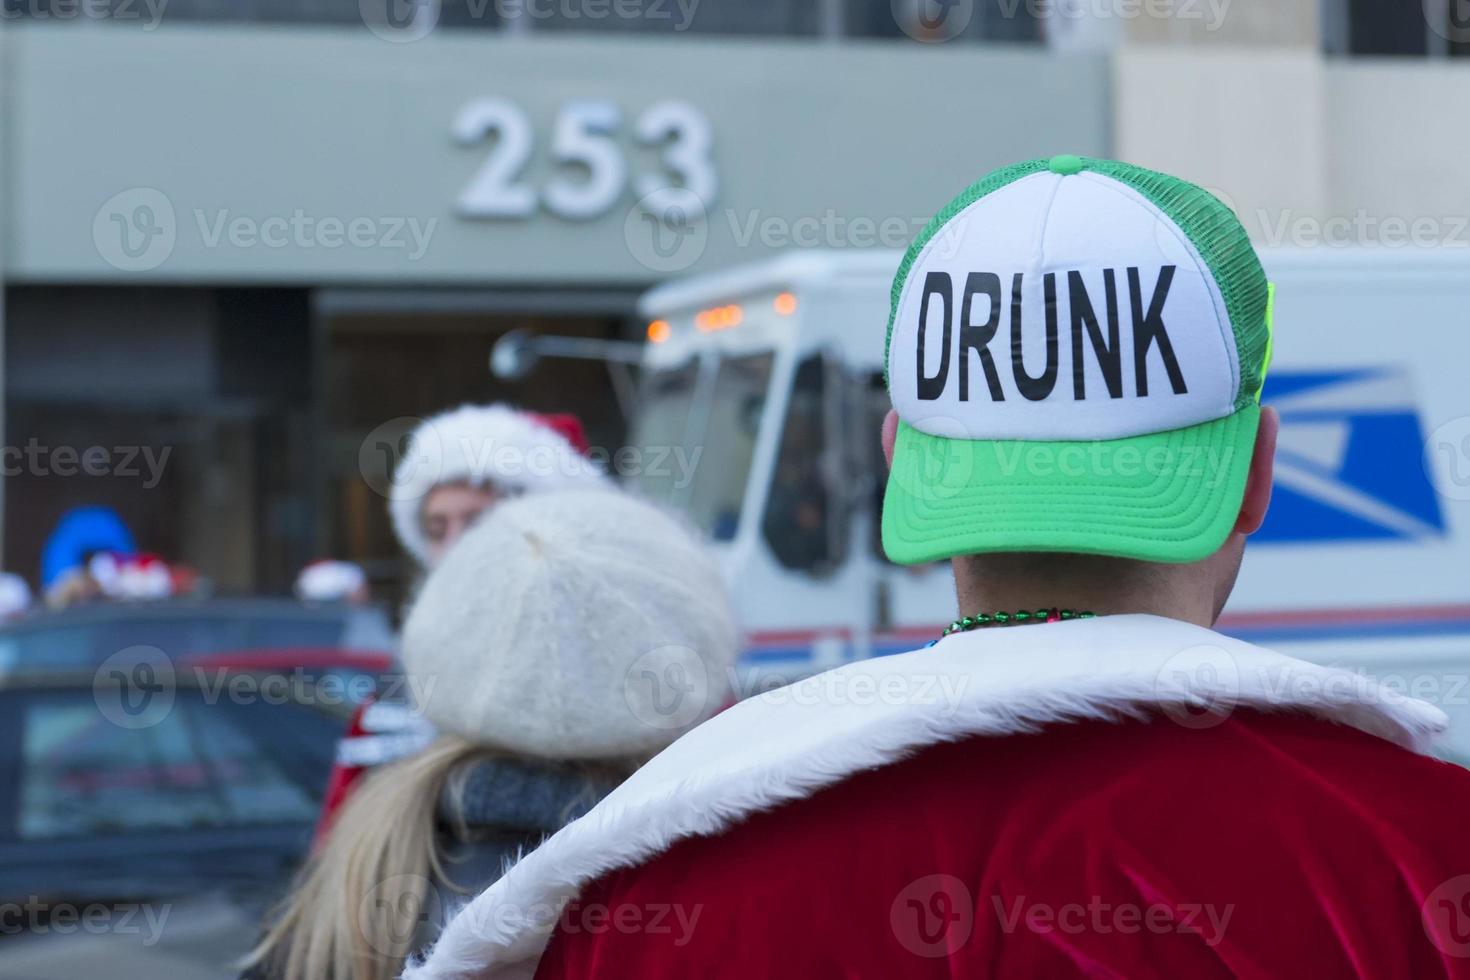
146	821
166	757
199	781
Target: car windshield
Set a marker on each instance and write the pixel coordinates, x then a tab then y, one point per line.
696	436
199	764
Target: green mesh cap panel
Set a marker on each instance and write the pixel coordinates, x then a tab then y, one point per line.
1222	242
1205	220
992	181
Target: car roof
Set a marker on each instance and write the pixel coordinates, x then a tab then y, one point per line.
323	660
167	609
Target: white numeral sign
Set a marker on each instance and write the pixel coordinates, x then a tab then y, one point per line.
591	170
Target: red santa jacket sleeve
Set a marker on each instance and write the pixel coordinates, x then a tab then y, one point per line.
1261	846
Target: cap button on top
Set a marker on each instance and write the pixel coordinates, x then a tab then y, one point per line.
1066	163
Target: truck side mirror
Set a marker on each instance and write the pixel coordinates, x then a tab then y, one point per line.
514	355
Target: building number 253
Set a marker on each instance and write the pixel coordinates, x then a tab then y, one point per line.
585	138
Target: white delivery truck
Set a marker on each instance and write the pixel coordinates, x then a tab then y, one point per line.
762	392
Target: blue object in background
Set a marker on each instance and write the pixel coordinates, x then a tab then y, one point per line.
81	532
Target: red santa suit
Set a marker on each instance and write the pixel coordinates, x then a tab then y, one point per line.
1127	796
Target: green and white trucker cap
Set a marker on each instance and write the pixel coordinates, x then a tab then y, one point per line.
1075	352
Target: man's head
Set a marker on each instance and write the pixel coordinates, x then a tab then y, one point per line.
1075	357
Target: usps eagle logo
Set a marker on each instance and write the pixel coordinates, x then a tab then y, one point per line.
1348	460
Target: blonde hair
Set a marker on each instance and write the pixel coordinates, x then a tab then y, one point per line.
355	910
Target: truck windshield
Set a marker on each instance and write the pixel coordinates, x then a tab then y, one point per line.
696	433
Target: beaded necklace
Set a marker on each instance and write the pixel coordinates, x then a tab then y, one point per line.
1052	615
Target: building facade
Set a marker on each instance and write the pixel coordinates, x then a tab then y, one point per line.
240	243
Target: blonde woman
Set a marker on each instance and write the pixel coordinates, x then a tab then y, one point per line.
457	467
568	637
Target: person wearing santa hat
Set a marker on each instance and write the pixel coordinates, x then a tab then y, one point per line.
461	462
1080	777
457	466
528	648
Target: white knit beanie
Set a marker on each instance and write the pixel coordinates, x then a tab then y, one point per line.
481	445
580	624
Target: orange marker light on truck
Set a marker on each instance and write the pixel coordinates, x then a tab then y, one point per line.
719	318
785	304
658	331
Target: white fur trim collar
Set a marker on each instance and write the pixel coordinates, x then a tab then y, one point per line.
788	743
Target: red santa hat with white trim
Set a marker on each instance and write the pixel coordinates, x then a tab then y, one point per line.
498	446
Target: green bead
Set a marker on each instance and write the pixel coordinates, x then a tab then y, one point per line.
1022	616
1002	617
983	619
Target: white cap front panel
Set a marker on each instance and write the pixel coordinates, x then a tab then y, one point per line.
1066	258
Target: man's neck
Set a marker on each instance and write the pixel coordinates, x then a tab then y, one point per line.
1180	599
